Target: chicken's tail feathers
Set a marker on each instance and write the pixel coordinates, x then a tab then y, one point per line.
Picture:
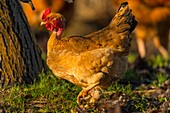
131	19
123	24
123	5
124	16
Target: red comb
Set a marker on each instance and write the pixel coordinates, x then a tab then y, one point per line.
46	12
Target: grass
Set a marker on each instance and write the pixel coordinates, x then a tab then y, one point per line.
158	61
51	94
119	88
159	80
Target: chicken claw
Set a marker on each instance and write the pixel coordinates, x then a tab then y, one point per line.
83	95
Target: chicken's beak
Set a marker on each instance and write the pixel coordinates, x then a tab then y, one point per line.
43	23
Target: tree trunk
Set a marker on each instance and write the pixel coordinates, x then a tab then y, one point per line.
20	57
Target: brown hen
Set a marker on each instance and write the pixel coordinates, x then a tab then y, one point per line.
94	61
154	24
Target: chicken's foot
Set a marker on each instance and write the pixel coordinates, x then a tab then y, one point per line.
83	95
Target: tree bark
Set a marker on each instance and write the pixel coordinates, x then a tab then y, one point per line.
20	57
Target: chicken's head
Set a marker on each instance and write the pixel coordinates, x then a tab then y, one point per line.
53	21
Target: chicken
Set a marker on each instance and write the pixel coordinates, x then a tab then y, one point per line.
154	24
94	61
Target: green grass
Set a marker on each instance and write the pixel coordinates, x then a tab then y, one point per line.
131	57
119	88
161	78
158	61
51	94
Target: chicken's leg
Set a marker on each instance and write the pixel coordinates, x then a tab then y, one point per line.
84	93
141	47
141	35
161	49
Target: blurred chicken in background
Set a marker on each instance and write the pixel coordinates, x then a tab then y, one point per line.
153	26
